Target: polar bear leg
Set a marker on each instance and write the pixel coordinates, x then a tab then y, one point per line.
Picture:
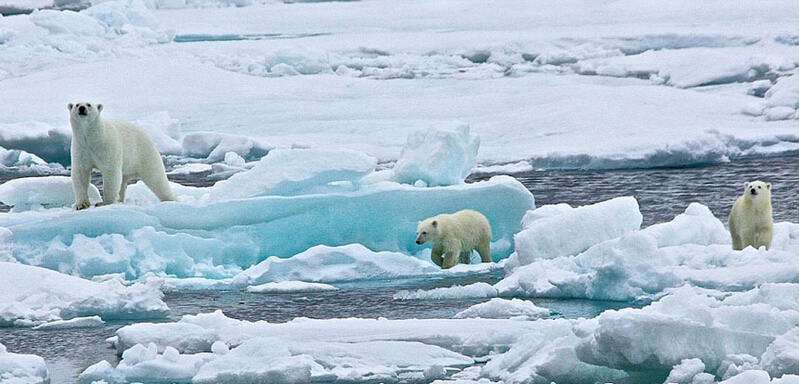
112	181
123	187
435	255
450	259
465	258
484	249
158	183
80	186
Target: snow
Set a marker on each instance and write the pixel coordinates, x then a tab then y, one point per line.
22	369
497	308
42	192
437	156
290	287
32	296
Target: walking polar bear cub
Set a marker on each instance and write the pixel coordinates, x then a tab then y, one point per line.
751	222
119	150
455	236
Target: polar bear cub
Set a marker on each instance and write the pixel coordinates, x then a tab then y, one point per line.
119	150
751	222
455	236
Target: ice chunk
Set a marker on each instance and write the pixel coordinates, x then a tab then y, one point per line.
497	308
457	292
32	295
289	172
163	130
685	372
507	169
437	156
78	322
143	364
18	158
265	359
785	93
573	231
782	356
48	142
185	337
335	264
22	369
290	287
221	239
214	146
42	192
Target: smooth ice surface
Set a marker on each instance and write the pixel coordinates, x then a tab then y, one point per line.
32	295
77	322
219	240
22	369
290	287
36	193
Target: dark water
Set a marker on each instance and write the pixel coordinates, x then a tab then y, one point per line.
661	193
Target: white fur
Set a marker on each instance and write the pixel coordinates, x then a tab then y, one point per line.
751	222
456	236
119	150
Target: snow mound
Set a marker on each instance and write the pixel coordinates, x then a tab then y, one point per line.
22	369
437	157
32	296
457	292
290	287
33	193
497	308
323	264
294	171
572	231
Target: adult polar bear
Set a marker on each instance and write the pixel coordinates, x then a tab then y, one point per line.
119	150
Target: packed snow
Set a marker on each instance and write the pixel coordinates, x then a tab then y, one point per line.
498	308
290	287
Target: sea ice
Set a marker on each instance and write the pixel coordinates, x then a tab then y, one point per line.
437	156
290	287
32	296
497	308
22	369
36	193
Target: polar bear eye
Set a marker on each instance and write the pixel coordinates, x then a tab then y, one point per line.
758	187
89	105
424	233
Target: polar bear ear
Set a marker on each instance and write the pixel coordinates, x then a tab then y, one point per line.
435	224
746	185
768	186
99	107
69	106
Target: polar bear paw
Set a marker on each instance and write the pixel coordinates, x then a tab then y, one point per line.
83	204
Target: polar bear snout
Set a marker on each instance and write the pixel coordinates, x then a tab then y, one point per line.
753	192
82	110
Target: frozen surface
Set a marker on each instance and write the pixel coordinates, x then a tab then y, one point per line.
37	193
437	156
505	309
220	240
77	322
693	248
32	296
472	291
572	231
22	369
290	287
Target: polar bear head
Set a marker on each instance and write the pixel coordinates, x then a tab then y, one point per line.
84	112
427	230
757	191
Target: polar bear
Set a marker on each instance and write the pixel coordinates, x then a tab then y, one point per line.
751	222
119	150
455	236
